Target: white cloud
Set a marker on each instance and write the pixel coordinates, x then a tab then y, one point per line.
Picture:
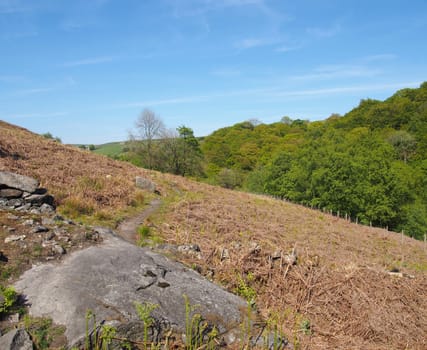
250	43
18	35
32	91
70	25
338	71
36	115
9	8
379	57
200	7
89	61
346	89
160	102
324	32
239	2
289	48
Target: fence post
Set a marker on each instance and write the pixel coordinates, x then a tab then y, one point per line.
425	242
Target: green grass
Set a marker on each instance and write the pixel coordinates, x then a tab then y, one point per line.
111	149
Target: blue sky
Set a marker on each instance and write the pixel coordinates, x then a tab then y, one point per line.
85	69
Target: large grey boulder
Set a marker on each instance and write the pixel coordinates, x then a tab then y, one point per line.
145	184
17	181
16	339
109	278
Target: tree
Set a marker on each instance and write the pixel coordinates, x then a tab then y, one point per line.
255	121
169	152
149	127
229	178
191	152
404	144
286	120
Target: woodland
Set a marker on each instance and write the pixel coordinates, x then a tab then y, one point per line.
369	165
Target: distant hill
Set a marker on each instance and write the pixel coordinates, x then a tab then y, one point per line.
351	287
111	149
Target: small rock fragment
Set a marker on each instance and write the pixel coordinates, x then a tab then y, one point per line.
291	259
46	221
277	254
29	222
58	249
39	229
14	318
14	238
16	202
254	248
24	207
49	236
224	254
12	217
10	193
46	208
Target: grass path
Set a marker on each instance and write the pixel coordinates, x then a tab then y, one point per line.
128	228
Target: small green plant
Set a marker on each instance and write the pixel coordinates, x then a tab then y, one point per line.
97	340
145	236
107	335
49	136
144	311
197	329
89	315
246	327
38	250
244	290
305	326
143	233
6	272
126	345
41	336
10	297
42	331
273	330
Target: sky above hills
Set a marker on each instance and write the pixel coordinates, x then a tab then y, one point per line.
85	69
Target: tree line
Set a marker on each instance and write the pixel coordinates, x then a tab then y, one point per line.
370	163
153	146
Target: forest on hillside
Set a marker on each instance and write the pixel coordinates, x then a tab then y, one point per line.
370	164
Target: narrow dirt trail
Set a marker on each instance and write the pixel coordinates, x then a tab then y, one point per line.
128	228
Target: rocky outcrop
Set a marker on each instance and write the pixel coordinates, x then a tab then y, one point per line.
22	193
109	278
19	182
16	339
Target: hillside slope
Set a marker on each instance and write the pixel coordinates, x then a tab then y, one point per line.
340	293
370	163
